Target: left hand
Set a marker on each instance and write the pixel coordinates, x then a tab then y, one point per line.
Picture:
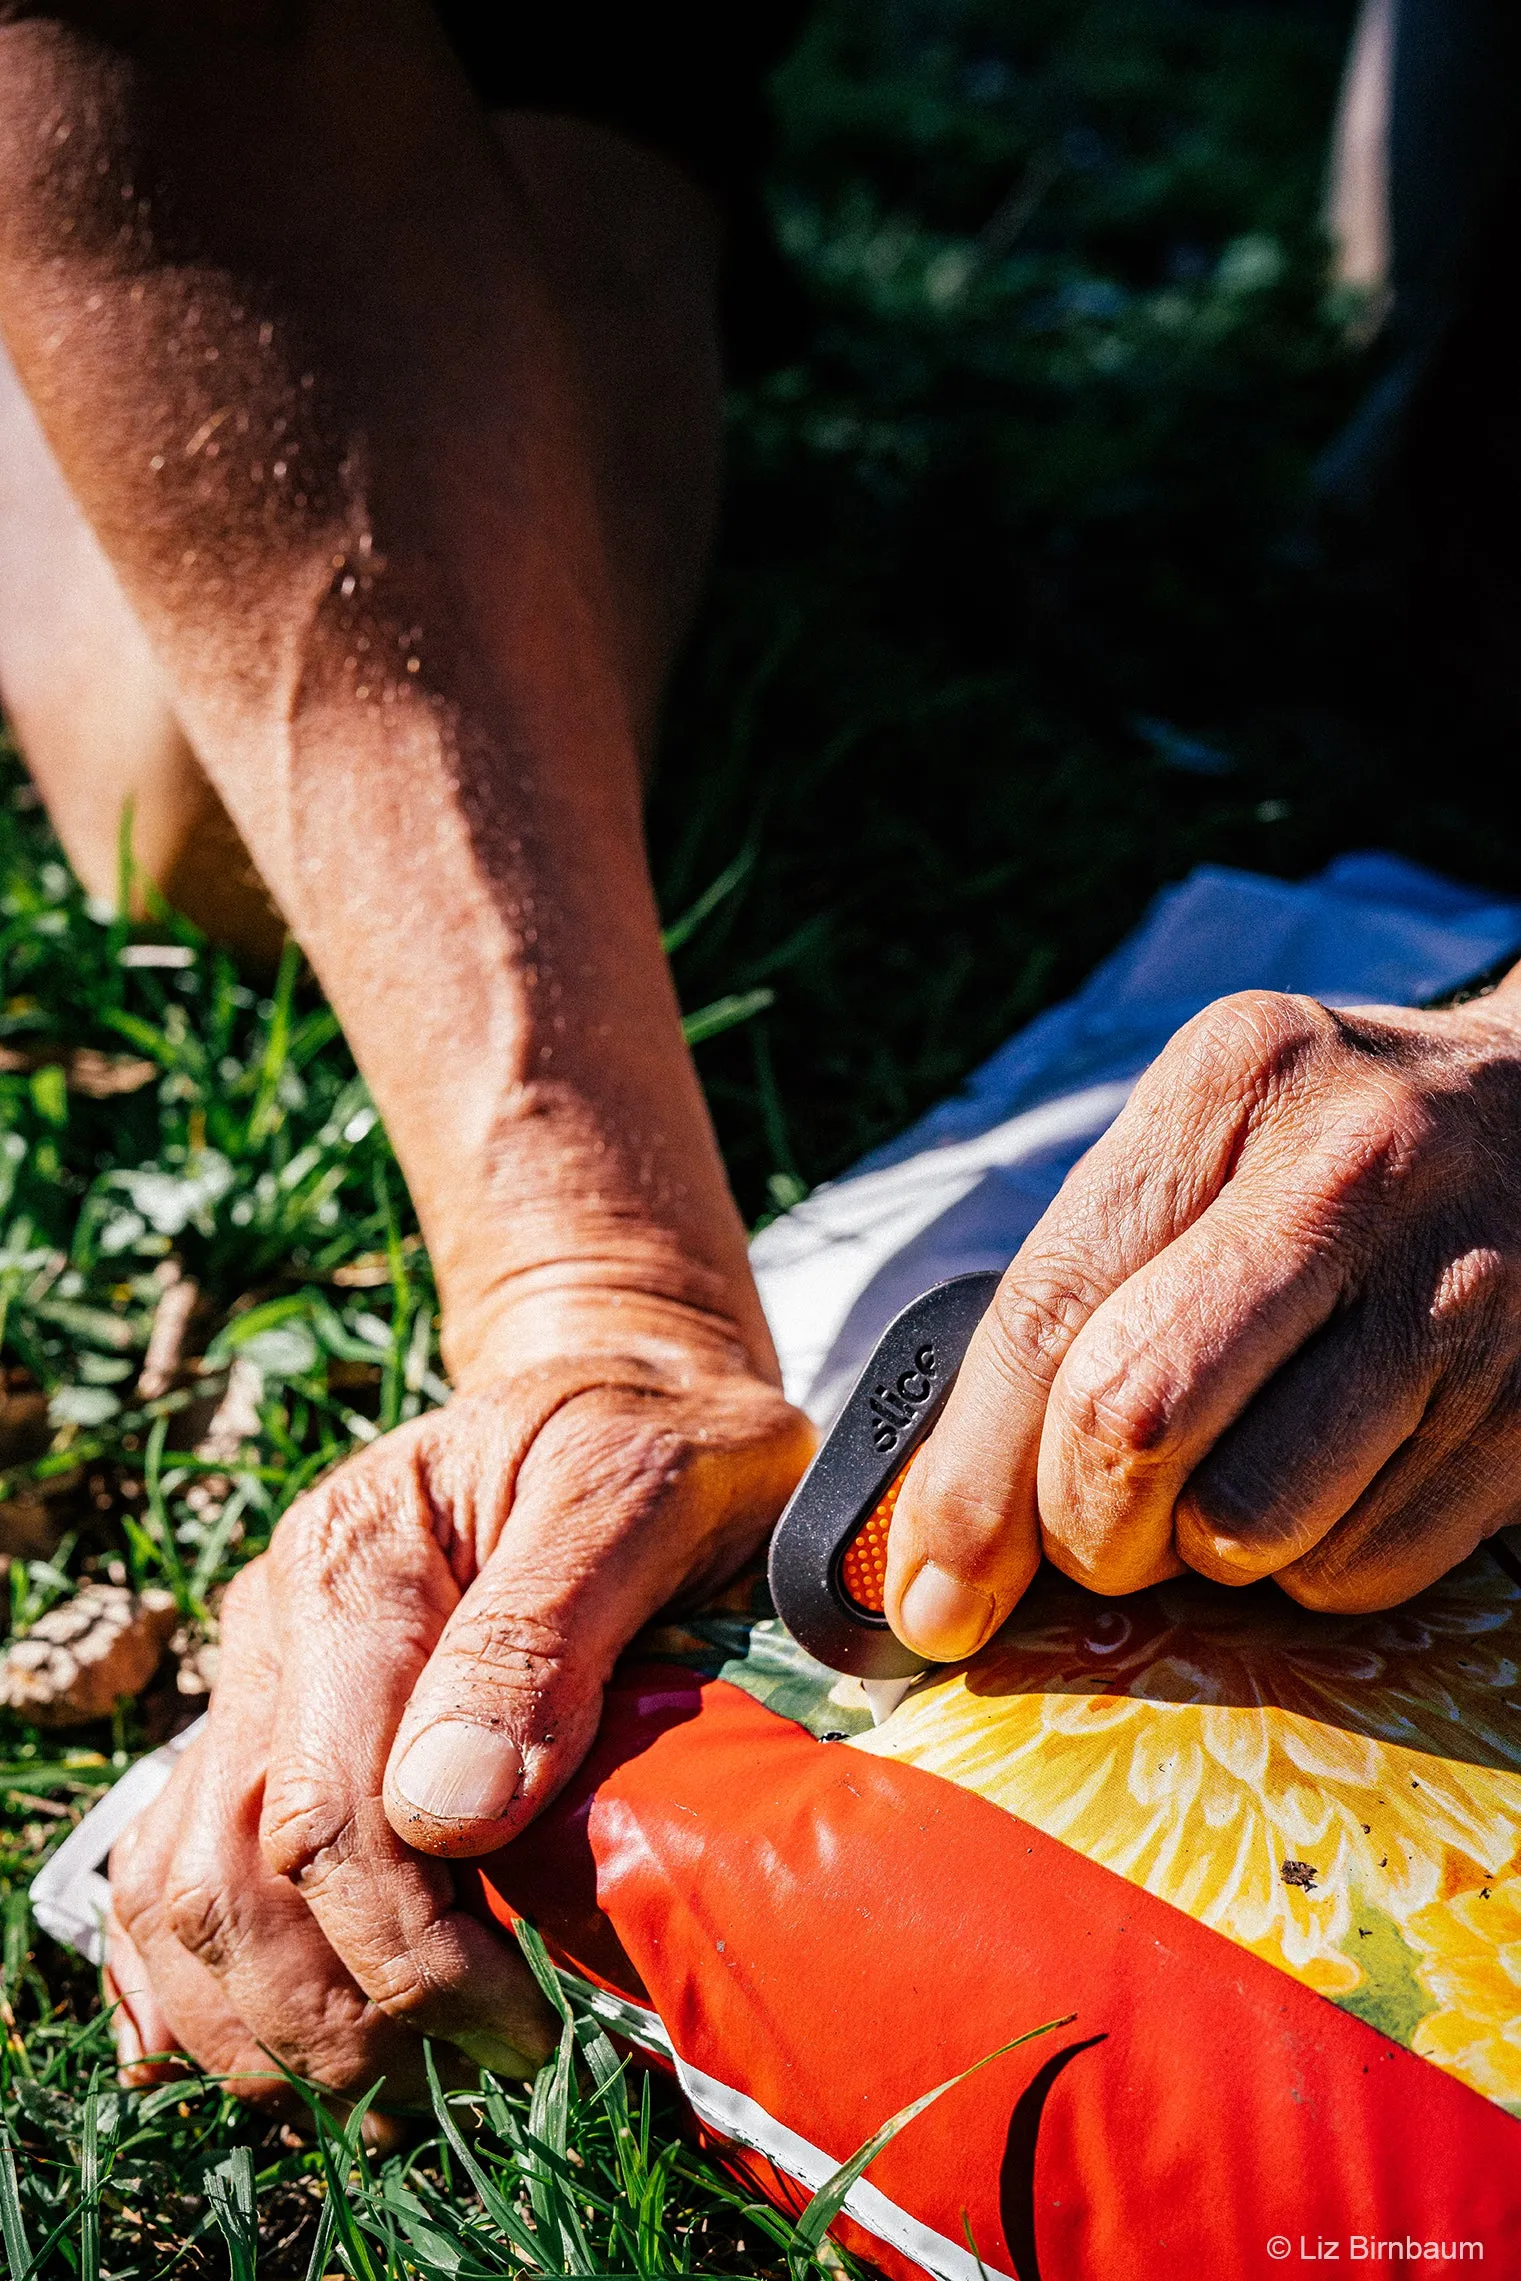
412	1671
1271	1326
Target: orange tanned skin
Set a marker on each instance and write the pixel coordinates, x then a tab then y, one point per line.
291	331
365	449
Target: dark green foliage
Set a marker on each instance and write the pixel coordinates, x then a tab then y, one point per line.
1030	519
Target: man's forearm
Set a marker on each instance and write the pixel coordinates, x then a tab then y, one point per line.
276	302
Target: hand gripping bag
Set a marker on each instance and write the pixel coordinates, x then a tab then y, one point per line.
1270	1861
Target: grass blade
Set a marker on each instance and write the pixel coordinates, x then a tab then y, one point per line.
265	1114
18	2255
500	2211
316	2264
536	1956
549	2116
89	2187
336	2167
230	2191
829	2200
725	1014
733	875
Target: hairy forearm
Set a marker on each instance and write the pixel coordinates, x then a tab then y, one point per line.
277	304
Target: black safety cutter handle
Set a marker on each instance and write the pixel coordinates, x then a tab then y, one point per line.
893	1405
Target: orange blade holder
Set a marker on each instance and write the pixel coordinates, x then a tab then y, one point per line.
829	1553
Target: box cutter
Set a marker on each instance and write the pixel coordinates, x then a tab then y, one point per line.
829	1554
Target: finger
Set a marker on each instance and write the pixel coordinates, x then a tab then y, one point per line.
1401	1386
147	2049
1168	1363
247	1925
624	1501
178	2006
966	1534
363	1592
1453	1484
1413	1528
171	1992
1305	1449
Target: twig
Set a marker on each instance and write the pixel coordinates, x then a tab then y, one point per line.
171	1324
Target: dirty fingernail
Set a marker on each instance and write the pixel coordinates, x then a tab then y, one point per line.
943	1618
460	1773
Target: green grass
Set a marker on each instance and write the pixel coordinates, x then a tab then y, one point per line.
1020	518
585	2175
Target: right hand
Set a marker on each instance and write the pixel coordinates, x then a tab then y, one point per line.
1271	1326
412	1671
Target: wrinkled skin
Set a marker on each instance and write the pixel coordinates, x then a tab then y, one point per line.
477	1566
364	449
371	445
1271	1326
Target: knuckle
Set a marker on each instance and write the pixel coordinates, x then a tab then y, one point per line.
202	1917
505	1648
326	1526
1254	1041
1374	1134
963	1522
1123	1412
1034	1320
369	1533
420	1985
1476	1291
304	1835
398	1986
599	1449
1234	1494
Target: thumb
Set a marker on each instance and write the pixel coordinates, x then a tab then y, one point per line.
624	1501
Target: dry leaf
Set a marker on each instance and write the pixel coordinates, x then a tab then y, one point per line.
78	1660
179	1296
236	1419
85	1069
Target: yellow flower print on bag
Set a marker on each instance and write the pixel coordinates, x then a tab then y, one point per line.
1339	1794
